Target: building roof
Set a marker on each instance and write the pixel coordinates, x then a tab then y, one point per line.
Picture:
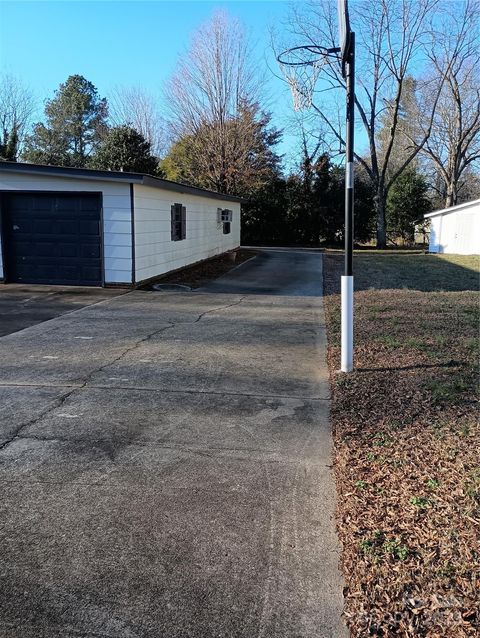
113	176
453	209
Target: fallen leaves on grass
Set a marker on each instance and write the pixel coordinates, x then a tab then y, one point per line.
407	440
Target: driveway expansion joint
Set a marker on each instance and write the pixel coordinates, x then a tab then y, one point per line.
179	446
165	390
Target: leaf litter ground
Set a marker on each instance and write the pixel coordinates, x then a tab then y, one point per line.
407	441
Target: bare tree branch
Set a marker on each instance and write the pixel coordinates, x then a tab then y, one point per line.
17	106
137	108
455	62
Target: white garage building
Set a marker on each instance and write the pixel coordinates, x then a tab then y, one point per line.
456	230
75	226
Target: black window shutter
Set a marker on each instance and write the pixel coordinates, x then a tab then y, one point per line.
184	222
173	226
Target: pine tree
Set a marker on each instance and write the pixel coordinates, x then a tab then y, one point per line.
75	124
407	203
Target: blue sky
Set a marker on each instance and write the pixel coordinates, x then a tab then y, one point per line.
124	43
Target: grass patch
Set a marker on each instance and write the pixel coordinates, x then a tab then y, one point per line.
407	437
446	391
414	271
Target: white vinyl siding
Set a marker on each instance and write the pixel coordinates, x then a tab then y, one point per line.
156	253
456	230
117	234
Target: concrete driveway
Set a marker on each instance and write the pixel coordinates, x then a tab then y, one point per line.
23	305
275	271
165	467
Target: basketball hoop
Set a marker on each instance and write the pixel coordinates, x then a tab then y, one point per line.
301	66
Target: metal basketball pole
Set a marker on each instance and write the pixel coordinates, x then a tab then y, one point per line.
347	278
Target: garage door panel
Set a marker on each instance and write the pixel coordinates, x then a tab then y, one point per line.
88	205
51	239
89	228
21	203
68	274
90	251
46	203
41	226
42	250
68	204
67	226
69	250
91	274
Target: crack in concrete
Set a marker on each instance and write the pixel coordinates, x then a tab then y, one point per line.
171	324
61	401
236	303
17	432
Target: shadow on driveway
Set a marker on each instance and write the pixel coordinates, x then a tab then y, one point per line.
22	305
273	272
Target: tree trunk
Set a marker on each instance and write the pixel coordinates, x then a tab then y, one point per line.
379	204
452	195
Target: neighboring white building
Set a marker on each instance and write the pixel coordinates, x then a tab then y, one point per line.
456	230
75	226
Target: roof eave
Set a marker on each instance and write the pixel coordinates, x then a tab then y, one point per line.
115	176
452	209
158	182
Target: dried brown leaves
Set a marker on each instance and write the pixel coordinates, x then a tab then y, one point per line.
407	440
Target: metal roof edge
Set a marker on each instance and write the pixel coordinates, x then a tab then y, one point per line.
158	182
70	171
452	209
112	176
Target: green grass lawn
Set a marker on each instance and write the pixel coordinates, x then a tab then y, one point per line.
416	271
407	442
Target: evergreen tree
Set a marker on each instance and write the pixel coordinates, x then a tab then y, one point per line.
264	216
316	200
407	203
125	149
9	144
75	124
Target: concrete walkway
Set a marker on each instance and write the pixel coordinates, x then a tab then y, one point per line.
165	467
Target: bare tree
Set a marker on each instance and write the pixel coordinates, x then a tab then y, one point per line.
213	78
213	102
391	39
454	142
135	107
17	106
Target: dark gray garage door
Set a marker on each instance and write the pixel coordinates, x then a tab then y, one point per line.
52	238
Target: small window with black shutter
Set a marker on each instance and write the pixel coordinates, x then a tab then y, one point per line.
178	222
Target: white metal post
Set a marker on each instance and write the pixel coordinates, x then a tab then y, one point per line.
347	323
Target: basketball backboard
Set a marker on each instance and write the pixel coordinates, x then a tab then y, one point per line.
343	28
